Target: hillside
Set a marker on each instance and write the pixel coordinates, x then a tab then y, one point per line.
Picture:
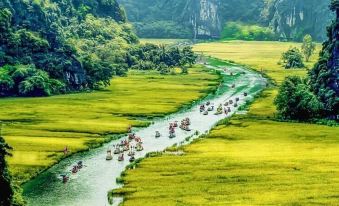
54	46
289	19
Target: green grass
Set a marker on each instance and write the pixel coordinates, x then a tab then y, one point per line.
40	128
248	160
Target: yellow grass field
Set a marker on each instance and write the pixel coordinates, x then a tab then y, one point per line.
248	160
263	56
39	128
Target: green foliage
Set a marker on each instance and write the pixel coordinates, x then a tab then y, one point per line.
296	101
74	44
7	193
292	58
240	31
308	47
26	80
161	58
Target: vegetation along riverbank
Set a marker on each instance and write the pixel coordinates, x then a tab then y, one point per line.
248	159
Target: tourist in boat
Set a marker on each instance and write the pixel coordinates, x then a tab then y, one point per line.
208	103
75	169
121	157
79	165
109	155
202	108
65	178
237	99
233	86
139	147
219	110
231	101
226	104
205	113
132	159
236	105
229	109
225	111
131	136
245	94
188	121
175	124
117	150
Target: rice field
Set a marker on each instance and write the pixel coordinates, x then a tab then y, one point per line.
40	128
250	159
262	56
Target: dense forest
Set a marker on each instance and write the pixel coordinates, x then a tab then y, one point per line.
52	47
316	95
49	47
287	19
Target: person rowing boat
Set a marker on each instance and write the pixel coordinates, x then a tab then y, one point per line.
109	155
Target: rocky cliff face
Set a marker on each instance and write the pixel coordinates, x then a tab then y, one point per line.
292	19
204	16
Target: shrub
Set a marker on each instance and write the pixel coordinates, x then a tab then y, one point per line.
239	31
296	101
292	58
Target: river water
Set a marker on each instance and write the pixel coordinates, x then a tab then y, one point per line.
89	187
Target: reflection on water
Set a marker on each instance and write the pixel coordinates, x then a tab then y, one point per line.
91	184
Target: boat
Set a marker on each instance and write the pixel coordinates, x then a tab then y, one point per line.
79	165
75	169
231	101
208	103
229	109
117	150
109	155
210	109
237	99
65	178
126	148
172	135
205	113
235	105
131	136
139	147
226	104
233	86
175	124
202	108
157	134
132	159
131	153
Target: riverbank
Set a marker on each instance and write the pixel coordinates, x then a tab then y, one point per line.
39	128
250	159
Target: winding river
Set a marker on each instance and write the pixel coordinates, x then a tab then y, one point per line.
91	184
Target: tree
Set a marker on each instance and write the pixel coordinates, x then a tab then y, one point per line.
308	47
324	77
296	101
7	193
293	58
